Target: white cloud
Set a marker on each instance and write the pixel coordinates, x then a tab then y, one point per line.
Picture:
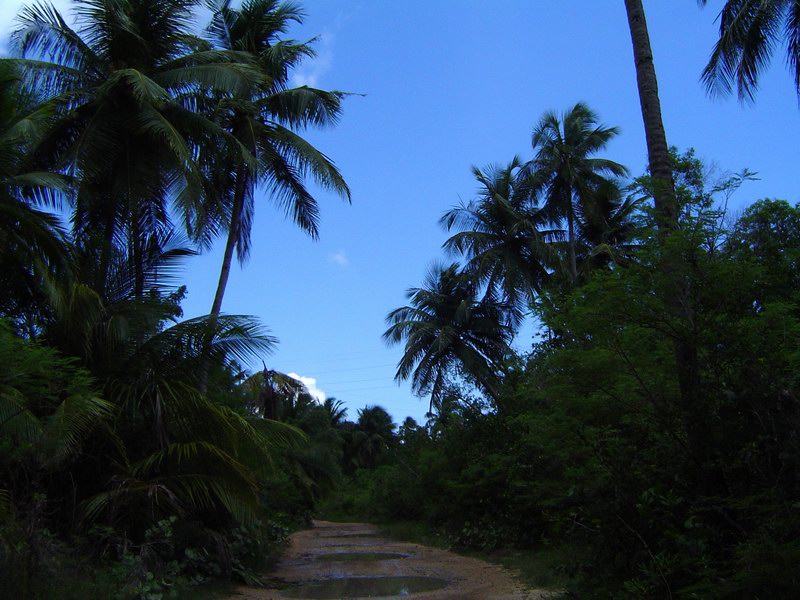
313	69
339	258
311	386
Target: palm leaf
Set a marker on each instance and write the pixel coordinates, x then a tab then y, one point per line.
67	428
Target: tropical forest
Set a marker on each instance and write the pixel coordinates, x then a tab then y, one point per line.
607	356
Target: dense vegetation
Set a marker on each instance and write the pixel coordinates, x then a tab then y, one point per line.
648	438
131	444
584	447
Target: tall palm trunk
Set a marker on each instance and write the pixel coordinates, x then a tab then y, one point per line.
225	271
677	293
657	148
233	237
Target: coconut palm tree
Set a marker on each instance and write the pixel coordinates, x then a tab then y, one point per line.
749	30
336	411
564	170
50	412
446	327
32	241
264	124
271	392
177	449
503	238
606	227
126	85
677	296
373	435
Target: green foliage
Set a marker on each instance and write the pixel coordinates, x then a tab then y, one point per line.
448	327
748	34
566	176
591	451
174	556
503	238
126	433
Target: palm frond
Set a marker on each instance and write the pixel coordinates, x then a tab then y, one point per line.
67	428
16	418
748	33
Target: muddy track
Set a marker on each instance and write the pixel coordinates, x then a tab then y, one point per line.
332	554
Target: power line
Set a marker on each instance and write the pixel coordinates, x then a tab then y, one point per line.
326	358
385	387
348	370
328	383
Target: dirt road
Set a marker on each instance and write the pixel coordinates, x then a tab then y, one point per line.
352	560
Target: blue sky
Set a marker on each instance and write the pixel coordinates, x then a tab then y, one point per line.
449	84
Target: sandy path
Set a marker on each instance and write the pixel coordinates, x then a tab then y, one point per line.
468	578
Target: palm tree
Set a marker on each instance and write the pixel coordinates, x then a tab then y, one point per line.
336	411
564	171
126	86
445	328
749	30
49	413
263	123
176	449
373	435
271	391
677	296
606	227
32	241
502	238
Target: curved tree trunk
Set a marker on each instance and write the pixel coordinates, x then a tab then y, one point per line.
657	148
677	294
230	245
225	271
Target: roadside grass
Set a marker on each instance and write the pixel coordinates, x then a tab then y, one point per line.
212	590
543	568
81	578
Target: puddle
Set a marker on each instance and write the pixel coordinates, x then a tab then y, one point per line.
360	556
349	535
365	587
364	544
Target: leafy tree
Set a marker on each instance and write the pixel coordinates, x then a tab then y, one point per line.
768	233
749	30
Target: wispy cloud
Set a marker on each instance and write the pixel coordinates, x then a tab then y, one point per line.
314	69
339	258
311	386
